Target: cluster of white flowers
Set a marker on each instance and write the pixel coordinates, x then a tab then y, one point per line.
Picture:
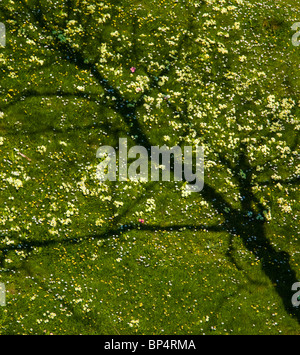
36	60
134	323
118	203
41	149
150	205
141	83
17	183
82	186
284	205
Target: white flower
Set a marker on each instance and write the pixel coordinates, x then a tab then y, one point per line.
222	50
99	222
267	215
52	315
115	34
83	188
286	208
65	221
41	149
53	222
134	323
91	8
17	183
236	26
118	203
150	205
35	59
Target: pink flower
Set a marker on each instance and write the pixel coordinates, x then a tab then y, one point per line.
141	220
133	69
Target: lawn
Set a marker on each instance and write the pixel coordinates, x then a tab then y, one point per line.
83	256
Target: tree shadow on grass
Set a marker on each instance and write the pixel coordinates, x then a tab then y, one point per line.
275	264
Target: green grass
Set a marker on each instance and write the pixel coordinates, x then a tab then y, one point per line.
172	283
73	255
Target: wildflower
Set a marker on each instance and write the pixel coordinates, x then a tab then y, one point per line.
115	34
17	183
118	203
91	8
132	69
41	149
36	60
236	25
99	222
134	323
52	315
53	222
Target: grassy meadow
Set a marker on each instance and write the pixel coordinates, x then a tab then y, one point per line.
81	256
